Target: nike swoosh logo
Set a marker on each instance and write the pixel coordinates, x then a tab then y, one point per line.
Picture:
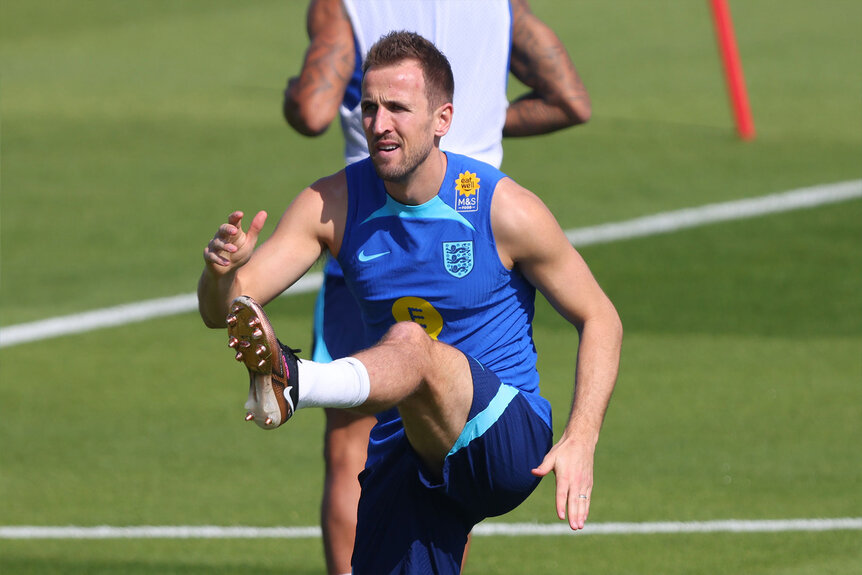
286	394
367	258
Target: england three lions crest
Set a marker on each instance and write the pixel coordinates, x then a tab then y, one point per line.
458	258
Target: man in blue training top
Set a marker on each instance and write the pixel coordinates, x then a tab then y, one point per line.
443	254
511	38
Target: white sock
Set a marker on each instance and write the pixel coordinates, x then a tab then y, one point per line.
341	383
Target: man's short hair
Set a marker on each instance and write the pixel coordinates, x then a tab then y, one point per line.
397	46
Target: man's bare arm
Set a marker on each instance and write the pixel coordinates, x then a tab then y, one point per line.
550	263
230	249
235	265
312	99
540	61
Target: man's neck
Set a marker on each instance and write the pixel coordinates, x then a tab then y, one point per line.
423	183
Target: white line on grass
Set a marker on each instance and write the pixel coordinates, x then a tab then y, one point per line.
668	222
485	529
662	223
121	315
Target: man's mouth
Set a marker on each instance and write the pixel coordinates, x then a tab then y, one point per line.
387	146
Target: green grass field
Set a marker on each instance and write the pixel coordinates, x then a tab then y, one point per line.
130	130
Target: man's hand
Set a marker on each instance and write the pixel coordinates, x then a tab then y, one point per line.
231	247
572	464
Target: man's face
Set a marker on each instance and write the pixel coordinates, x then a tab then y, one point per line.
397	120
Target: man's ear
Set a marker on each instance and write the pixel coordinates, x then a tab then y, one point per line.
443	119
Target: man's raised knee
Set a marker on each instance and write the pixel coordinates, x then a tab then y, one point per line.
407	332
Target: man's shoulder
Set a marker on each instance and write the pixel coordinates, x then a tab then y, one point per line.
331	188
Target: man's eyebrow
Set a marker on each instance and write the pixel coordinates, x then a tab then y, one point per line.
383	102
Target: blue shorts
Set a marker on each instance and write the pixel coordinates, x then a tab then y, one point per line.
338	328
411	522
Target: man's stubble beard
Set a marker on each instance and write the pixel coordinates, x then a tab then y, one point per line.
401	172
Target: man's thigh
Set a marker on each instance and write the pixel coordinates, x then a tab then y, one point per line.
422	520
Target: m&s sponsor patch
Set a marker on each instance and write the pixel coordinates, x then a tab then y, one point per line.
467	186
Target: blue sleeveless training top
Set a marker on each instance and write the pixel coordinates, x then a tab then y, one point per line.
437	264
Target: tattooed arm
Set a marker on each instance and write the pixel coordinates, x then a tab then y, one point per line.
311	100
558	98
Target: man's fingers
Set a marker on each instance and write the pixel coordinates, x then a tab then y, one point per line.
256	226
579	509
225	235
583	512
542	470
574	482
218	251
233	227
211	256
547	464
573	495
562	499
222	247
231	246
235	219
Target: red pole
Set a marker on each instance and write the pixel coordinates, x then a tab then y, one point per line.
732	69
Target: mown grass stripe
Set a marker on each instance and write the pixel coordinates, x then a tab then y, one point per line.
662	223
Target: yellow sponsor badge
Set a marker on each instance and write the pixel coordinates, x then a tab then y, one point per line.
419	311
467	187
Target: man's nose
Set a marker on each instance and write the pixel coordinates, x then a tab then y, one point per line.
382	121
